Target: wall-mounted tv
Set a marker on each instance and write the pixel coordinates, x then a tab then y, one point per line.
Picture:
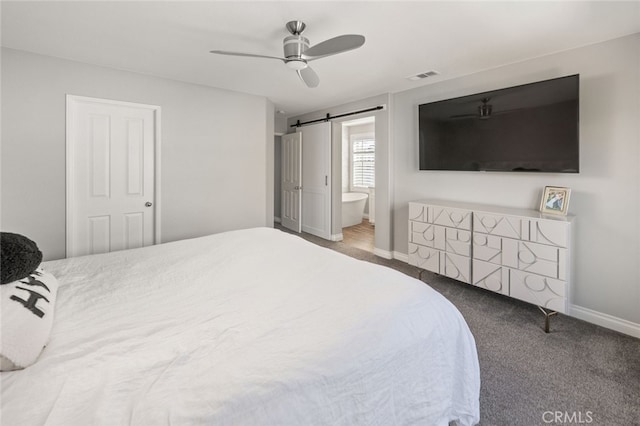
527	128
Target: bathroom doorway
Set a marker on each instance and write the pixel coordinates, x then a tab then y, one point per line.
358	183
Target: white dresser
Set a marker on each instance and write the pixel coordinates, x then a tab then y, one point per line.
519	253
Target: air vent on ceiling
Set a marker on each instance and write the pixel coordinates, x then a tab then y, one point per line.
422	75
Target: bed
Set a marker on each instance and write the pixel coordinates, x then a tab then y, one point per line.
248	327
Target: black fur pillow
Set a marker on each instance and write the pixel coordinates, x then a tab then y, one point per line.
19	257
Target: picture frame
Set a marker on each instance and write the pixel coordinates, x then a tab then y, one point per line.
555	200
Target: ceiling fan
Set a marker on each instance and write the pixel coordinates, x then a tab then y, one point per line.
297	52
484	110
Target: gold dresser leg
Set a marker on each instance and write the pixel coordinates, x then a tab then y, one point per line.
547	317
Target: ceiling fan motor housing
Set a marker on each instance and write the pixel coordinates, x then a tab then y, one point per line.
484	110
294	47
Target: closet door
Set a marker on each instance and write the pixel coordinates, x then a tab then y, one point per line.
291	181
316	179
111	151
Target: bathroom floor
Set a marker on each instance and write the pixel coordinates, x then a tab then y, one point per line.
360	236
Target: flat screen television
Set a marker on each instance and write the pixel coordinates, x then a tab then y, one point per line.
527	128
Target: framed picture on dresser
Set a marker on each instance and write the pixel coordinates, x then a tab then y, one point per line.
555	200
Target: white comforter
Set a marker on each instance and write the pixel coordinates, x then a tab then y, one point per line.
252	327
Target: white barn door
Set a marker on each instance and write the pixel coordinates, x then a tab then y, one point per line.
316	179
291	181
111	171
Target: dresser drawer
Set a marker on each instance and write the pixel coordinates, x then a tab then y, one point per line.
501	226
450	217
427	235
531	257
541	259
455	266
491	276
443	216
458	241
418	212
543	231
424	257
501	251
542	291
549	232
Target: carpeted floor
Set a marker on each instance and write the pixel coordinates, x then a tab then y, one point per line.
578	374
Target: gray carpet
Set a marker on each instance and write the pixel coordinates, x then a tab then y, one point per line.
579	373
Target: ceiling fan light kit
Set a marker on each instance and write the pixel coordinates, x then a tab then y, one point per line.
296	64
297	51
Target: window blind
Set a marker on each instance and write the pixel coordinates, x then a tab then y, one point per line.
363	168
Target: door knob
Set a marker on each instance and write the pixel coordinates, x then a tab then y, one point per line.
148	204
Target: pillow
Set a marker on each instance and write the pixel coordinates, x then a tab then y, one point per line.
19	256
26	318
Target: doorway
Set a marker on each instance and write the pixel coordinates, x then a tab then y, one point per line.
305	180
358	183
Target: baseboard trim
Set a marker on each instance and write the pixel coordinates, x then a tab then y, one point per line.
589	315
382	253
337	237
401	256
276	219
605	320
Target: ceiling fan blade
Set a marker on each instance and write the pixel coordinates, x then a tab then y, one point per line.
309	77
506	111
509	111
333	46
463	115
251	55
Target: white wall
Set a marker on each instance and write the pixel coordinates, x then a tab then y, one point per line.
217	149
605	194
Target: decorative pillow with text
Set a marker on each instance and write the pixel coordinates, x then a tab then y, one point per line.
26	318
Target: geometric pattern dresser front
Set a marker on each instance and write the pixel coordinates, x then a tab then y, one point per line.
518	253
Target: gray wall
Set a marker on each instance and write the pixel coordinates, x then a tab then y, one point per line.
280	127
217	149
605	194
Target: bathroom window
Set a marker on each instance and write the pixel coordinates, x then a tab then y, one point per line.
363	156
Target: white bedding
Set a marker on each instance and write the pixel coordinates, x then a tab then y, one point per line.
251	327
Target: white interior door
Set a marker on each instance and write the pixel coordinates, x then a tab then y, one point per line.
111	148
291	204
316	178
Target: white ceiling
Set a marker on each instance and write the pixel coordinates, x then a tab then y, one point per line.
173	40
